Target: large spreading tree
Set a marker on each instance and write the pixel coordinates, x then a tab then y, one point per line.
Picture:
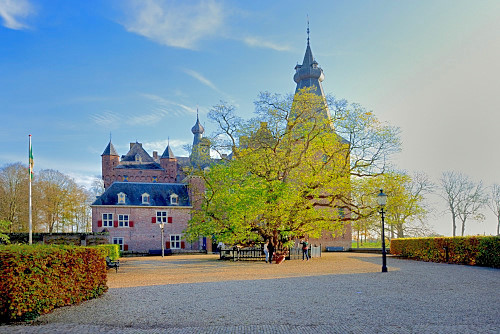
291	169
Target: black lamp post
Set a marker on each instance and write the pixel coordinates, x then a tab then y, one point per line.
382	200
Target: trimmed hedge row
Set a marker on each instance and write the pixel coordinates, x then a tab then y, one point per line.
480	251
38	278
111	250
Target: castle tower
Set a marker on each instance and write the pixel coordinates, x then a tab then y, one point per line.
200	152
109	160
168	161
197	131
309	74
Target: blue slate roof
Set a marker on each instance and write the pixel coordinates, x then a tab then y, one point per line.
152	165
159	194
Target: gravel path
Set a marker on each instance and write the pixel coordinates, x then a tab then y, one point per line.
338	293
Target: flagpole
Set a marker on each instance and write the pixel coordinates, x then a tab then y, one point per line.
30	238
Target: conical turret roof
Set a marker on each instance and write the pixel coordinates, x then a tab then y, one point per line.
109	150
309	74
168	154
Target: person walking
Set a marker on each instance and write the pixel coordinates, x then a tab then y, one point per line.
305	249
266	250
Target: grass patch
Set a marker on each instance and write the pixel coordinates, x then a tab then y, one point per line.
376	244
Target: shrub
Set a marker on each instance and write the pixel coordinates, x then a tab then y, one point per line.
38	278
481	251
111	250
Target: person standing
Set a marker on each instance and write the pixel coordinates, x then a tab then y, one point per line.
305	249
266	250
271	248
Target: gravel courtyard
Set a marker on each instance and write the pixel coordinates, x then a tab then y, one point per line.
337	293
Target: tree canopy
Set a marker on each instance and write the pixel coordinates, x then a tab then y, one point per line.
291	168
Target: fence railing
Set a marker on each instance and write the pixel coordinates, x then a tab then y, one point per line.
257	254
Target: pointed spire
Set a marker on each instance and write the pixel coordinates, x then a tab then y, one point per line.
307	29
309	74
197	128
168	153
110	149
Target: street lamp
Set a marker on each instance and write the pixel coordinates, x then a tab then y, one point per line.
162	225
382	200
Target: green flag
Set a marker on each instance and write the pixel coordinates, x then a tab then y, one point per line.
31	160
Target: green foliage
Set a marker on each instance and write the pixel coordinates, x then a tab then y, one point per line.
39	278
292	168
481	251
111	250
4	227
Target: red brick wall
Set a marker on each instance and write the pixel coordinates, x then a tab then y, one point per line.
144	235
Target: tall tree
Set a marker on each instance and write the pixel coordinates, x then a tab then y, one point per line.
494	204
291	171
465	198
14	196
406	207
60	202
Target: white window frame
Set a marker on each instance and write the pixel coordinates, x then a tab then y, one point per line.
107	220
146	198
162	217
174	199
123	220
121	198
175	241
118	241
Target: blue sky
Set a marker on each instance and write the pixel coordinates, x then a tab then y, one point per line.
72	72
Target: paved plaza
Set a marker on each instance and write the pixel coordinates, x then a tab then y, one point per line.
337	293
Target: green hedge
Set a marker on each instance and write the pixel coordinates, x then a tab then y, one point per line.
480	251
112	250
38	278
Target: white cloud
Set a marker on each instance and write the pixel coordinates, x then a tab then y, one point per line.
261	43
176	145
13	11
201	78
174	23
106	119
169	107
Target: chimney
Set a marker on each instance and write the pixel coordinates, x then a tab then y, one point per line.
155	155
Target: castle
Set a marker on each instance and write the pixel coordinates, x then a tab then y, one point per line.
142	190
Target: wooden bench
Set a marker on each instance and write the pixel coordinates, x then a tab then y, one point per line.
112	264
334	249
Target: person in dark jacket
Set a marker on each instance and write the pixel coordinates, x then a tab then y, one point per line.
270	248
305	249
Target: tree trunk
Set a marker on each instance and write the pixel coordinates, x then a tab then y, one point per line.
498	226
454	224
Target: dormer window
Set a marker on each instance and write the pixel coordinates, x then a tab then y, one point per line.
121	198
138	158
174	199
145	198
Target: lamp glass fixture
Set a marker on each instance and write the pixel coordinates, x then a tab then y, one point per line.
381	198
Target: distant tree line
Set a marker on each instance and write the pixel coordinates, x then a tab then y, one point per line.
59	204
